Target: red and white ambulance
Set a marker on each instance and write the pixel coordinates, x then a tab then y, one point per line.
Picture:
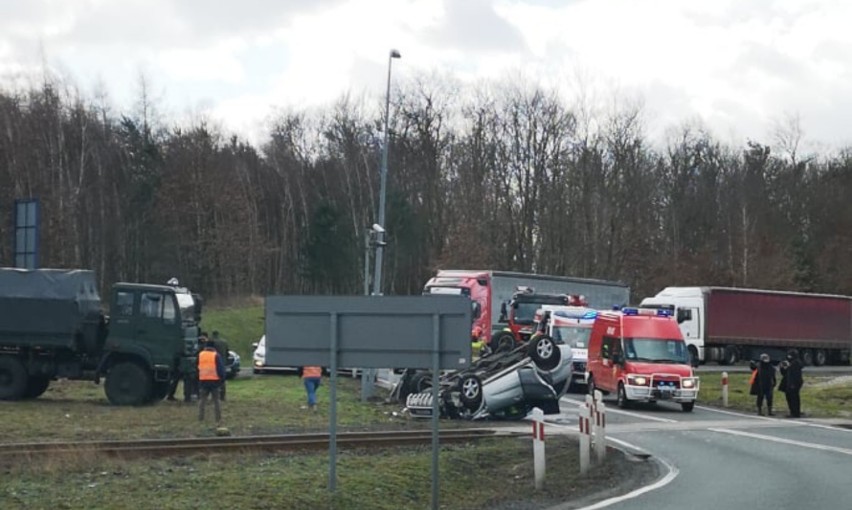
639	354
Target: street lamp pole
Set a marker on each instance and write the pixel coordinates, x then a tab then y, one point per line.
380	236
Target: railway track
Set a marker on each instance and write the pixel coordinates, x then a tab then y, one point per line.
15	452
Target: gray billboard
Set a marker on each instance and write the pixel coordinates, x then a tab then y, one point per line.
368	331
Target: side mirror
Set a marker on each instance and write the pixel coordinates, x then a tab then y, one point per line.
504	315
683	315
254	345
476	309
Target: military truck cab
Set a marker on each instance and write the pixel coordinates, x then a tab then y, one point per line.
151	329
639	354
53	326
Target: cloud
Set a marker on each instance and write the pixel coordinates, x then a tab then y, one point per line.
474	25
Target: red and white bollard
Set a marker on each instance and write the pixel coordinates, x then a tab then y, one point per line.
585	438
600	426
538	447
724	389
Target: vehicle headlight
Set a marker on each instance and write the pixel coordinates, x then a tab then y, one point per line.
637	380
688	383
258	363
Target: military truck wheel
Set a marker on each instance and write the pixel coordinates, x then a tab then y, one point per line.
128	384
503	342
13	378
159	390
470	387
545	353
36	386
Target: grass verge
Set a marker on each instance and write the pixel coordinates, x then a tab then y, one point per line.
822	396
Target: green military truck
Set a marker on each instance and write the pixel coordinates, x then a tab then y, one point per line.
52	326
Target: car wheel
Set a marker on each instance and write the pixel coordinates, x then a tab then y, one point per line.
545	353
503	342
622	397
687	406
470	387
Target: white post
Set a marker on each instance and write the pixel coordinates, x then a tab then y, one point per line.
600	429
538	447
724	389
585	438
590	404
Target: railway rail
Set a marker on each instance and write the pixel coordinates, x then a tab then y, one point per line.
208	445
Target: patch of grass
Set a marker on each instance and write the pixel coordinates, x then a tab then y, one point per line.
240	326
494	474
256	405
819	399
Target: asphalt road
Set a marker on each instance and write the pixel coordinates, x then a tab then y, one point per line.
728	460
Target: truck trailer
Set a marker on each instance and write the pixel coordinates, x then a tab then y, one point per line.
52	326
492	291
730	324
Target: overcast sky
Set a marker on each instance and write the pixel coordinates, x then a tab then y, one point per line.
739	65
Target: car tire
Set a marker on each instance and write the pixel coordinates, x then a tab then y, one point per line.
421	383
503	342
687	406
623	402
820	357
545	353
470	389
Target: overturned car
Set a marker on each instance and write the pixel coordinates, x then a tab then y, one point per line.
500	385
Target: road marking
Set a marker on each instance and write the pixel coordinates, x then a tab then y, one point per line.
781	421
626	413
815	446
662	482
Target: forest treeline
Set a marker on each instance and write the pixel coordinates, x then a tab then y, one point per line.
501	175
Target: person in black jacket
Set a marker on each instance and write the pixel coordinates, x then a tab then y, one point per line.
764	384
791	382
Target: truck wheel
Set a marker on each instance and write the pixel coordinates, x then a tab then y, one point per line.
128	384
731	355
807	357
159	390
622	397
820	357
504	342
13	378
470	387
545	353
693	356
36	386
687	406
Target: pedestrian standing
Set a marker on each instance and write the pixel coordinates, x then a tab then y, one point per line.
222	348
311	377
763	384
792	382
211	373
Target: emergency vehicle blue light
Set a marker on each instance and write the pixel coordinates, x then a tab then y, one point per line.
630	311
591	314
664	313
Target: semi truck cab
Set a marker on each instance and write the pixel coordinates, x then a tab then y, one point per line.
687	306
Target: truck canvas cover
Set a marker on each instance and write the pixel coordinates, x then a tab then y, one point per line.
49	304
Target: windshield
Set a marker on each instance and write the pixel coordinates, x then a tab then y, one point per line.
525	312
655	350
573	337
187	307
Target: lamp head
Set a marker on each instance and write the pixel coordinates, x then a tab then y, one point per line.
395	54
378	228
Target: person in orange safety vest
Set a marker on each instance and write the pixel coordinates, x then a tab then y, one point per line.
311	377
211	373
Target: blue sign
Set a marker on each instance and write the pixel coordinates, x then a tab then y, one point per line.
26	234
